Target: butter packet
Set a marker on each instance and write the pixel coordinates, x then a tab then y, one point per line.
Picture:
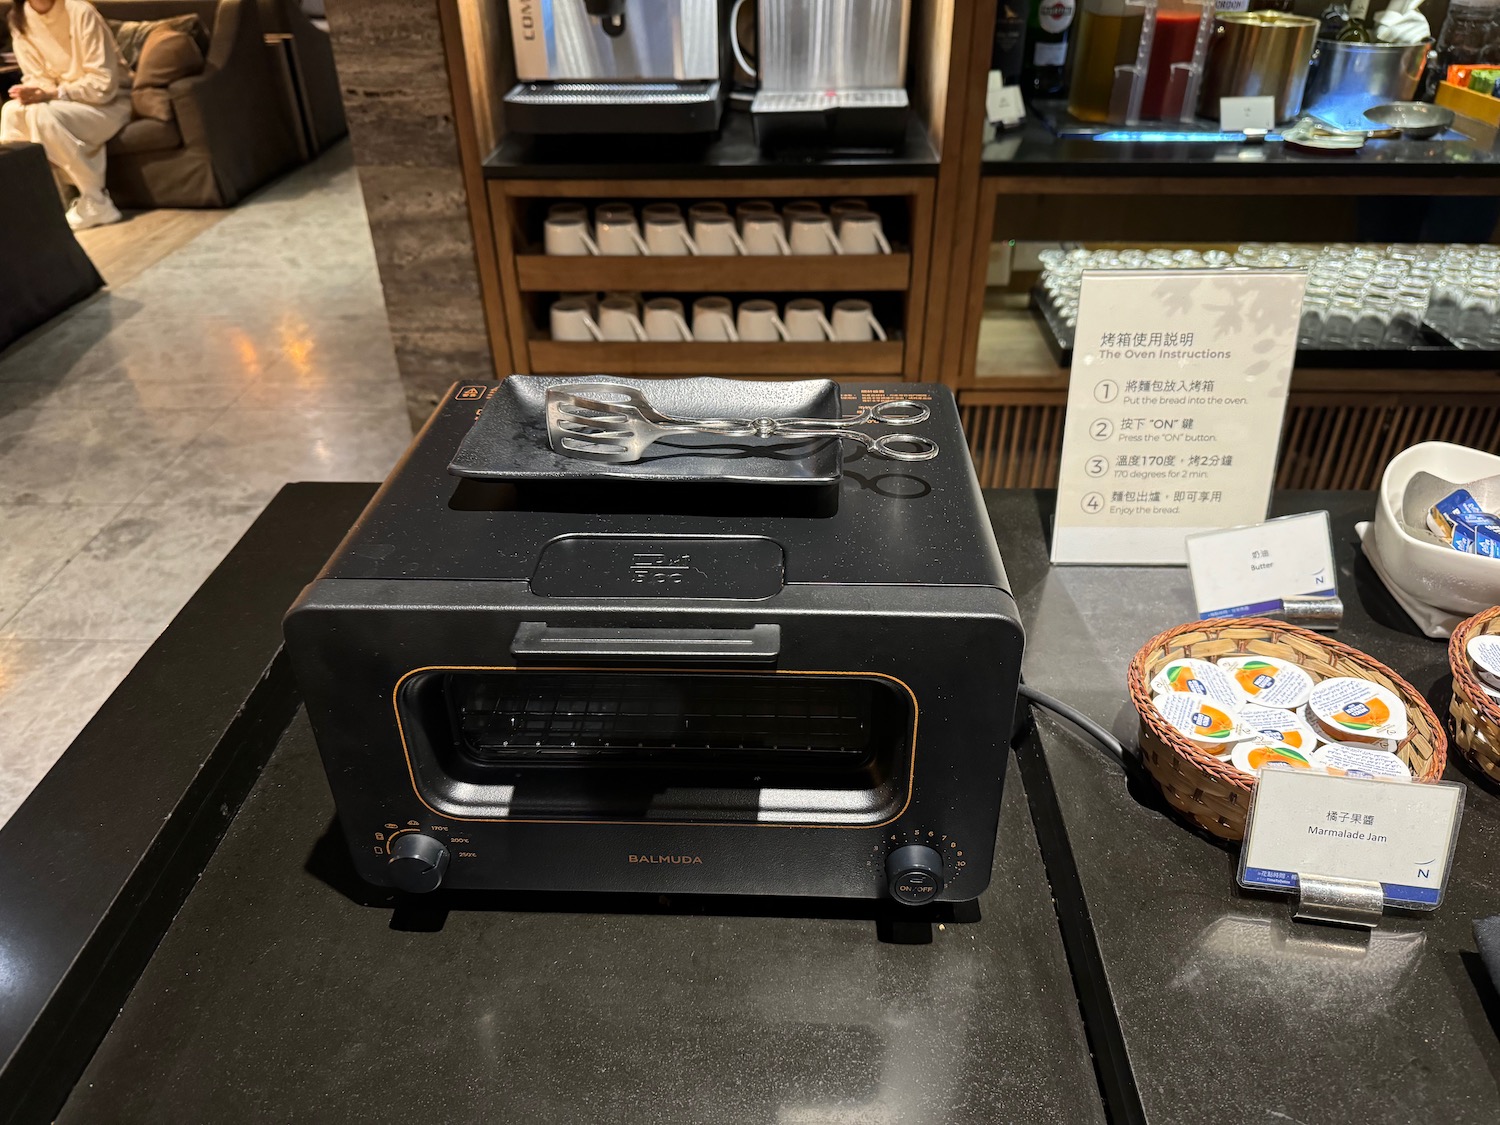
1248	758
1348	709
1205	721
1360	761
1267	680
1196	677
1275	727
1459	521
1484	652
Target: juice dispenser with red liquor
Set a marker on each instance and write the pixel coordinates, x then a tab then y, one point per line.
1174	72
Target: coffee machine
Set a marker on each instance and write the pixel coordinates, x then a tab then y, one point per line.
832	73
618	66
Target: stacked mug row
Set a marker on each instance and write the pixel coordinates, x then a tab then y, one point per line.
754	227
622	317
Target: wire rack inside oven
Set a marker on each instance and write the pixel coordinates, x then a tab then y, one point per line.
604	715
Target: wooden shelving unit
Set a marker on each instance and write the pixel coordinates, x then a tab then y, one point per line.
853	273
946	197
878	359
896	283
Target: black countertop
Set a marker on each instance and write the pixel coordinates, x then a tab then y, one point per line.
731	153
1227	1011
1034	150
287	990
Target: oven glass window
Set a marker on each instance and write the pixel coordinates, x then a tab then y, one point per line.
646	744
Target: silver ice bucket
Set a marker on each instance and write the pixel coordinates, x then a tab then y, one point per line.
1348	78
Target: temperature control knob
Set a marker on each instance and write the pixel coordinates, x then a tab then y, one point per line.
417	862
914	873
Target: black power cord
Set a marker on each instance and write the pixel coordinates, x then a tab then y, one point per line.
1077	718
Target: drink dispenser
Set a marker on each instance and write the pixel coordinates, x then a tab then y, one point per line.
1174	72
1109	61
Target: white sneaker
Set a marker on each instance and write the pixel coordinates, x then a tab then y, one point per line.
93	211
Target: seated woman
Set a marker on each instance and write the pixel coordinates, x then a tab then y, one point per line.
74	95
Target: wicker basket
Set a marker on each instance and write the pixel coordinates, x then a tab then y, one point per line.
1476	717
1213	794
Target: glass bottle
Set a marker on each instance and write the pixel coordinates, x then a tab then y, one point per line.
1047	31
1334	19
1008	55
1358	29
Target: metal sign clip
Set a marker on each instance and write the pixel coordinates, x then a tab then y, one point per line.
1339	902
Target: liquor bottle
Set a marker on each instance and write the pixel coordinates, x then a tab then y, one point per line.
1009	53
1047	48
1357	29
1334	19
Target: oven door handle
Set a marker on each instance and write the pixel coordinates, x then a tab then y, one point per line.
758	644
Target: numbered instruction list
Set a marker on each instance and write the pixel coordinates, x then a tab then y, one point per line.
1175	405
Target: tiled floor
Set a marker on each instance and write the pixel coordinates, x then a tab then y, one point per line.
141	434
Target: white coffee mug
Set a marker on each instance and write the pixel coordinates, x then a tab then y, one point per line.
854	322
631	298
665	322
660	211
861	233
568	236
568	211
607	211
753	207
760	321
806	320
716	235
572	319
619	236
841	207
813	234
667	236
590	300
707	207
713	319
618	320
763	234
801	207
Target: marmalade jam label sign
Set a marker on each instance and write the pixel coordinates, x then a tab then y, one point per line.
1175	406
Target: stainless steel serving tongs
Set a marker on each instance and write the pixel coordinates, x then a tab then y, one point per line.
615	423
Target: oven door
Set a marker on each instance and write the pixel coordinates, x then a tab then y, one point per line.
657	726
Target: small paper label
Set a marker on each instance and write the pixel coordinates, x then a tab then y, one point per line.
1238	114
1306	822
1003	104
1050	54
1244	571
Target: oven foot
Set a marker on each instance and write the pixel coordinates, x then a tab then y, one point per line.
418	914
905	925
904	931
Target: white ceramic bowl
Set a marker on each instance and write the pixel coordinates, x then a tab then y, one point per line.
1440	576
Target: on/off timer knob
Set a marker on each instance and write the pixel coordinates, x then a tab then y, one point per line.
914	874
417	862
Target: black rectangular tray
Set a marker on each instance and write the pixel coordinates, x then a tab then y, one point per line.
508	441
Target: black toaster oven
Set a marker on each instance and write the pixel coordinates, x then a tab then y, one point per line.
713	688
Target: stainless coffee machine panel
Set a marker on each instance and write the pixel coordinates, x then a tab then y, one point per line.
618	66
807	45
832	73
619	41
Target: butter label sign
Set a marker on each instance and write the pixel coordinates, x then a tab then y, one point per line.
1243	571
1175	404
1399	834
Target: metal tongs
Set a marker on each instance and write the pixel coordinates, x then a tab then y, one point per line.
615	423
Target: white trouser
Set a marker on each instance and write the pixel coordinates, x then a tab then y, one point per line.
73	134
